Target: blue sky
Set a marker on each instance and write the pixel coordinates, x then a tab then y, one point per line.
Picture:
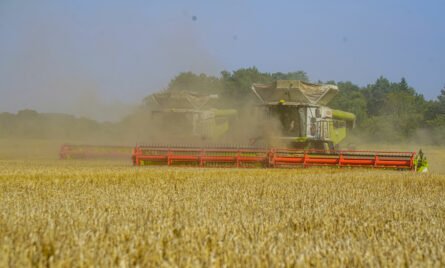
94	57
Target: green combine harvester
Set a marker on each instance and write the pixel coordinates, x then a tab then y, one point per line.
188	117
292	126
304	120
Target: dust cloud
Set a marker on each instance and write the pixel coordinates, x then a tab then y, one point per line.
52	65
86	75
219	122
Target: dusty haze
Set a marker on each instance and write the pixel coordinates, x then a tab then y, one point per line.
104	75
99	59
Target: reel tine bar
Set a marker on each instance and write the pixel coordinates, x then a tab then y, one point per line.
273	157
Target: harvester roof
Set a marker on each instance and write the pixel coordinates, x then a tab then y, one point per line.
182	100
295	91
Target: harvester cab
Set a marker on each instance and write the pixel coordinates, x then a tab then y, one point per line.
303	117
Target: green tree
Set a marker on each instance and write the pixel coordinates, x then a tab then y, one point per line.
351	99
380	129
436	119
299	75
201	83
395	110
435	114
404	112
403	85
441	102
237	85
376	94
234	86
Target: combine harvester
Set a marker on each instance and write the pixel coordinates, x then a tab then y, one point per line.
190	116
71	151
309	135
194	119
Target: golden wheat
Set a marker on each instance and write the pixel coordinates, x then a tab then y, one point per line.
67	214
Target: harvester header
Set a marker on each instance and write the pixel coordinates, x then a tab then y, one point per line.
83	151
269	157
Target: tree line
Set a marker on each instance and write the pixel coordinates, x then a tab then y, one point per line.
386	111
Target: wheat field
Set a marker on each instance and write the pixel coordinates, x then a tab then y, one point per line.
78	213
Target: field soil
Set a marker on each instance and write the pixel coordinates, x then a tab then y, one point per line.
108	213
